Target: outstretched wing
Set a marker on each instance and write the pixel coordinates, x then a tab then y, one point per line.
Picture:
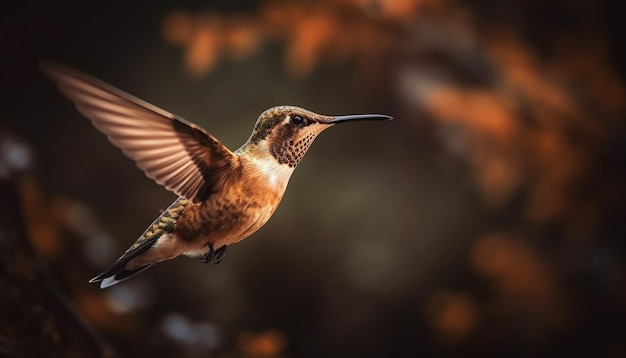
175	153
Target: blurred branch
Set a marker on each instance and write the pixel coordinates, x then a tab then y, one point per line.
36	319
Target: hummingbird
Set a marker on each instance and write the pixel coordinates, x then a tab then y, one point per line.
223	196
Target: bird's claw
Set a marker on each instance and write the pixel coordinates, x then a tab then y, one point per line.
214	255
219	255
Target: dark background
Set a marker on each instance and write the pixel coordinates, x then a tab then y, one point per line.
487	219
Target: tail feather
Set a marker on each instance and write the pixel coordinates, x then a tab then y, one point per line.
121	276
118	271
164	224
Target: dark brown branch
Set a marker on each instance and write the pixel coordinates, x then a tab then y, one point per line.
36	320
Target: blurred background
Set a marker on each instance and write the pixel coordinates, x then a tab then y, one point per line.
487	219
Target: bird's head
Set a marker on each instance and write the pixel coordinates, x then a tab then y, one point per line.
287	132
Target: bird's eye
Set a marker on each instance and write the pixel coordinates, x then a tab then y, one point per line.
297	120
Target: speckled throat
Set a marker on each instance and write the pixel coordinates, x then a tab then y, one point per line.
290	151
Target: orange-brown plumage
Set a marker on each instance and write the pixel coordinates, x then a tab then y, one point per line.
224	196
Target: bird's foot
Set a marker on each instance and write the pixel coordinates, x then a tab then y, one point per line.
214	255
219	255
207	257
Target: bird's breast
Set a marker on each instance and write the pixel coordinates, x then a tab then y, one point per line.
238	210
268	174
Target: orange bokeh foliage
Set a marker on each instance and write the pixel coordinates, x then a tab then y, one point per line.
332	31
268	344
452	315
206	37
528	131
44	224
520	276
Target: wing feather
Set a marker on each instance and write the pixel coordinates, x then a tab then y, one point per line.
173	152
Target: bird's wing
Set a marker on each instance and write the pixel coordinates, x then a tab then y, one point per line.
175	153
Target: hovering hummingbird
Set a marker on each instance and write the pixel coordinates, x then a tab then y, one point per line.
224	196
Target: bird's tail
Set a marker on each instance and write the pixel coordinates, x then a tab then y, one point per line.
110	278
118	271
164	224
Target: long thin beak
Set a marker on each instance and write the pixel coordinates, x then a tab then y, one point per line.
359	117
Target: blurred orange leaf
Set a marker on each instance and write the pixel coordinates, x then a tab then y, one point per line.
452	315
267	344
